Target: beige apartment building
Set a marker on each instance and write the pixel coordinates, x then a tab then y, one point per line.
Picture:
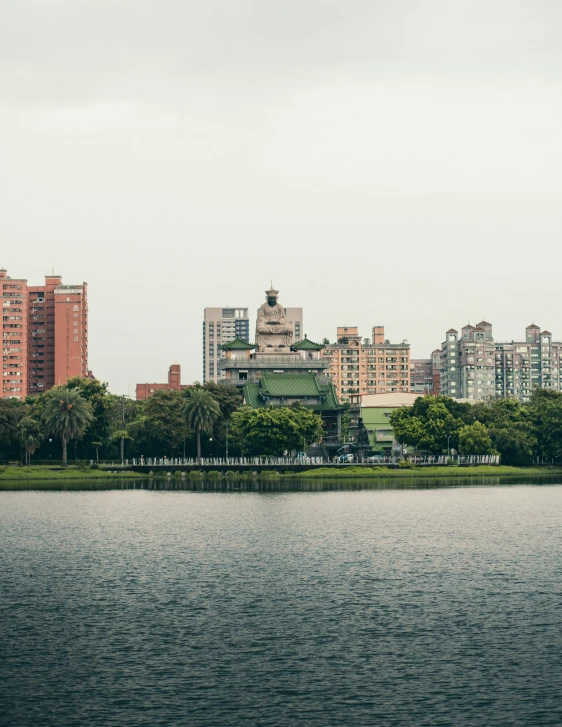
367	366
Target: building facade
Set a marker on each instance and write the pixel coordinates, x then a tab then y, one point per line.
13	297
223	325
425	375
220	326
375	412
369	366
145	391
475	367
44	334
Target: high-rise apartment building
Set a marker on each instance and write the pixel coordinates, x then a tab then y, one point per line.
13	298
223	325
373	366
44	335
425	374
474	366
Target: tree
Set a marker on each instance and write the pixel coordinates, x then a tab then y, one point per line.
31	435
159	425
106	410
515	444
474	439
428	425
201	411
545	412
67	415
275	430
12	412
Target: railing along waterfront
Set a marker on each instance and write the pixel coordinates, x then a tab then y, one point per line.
490	459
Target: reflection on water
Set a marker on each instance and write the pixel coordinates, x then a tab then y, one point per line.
251	604
285	484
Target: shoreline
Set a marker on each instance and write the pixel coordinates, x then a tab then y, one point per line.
421	472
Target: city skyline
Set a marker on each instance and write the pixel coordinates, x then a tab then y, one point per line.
396	164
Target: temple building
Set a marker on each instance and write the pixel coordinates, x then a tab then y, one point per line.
276	371
274	351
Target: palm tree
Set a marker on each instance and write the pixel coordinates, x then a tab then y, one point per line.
201	412
30	436
67	416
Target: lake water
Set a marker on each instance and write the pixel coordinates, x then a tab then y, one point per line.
380	607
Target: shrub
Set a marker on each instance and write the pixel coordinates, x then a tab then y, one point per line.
405	464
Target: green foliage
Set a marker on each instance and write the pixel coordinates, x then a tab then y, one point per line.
516	431
345	419
545	412
66	416
160	427
201	411
275	430
429	425
475	439
11	413
405	464
31	435
106	411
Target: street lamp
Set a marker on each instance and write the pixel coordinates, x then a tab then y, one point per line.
448	447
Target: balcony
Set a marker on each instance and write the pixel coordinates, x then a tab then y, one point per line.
274	362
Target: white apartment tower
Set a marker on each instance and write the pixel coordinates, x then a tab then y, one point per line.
221	325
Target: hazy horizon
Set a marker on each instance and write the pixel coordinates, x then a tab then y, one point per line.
381	163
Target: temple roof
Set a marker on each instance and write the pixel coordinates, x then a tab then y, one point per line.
452	330
291	386
307	345
237	345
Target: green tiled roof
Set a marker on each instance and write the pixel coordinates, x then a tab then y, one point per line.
306	345
291	386
237	345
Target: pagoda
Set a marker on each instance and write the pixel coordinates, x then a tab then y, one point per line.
275	371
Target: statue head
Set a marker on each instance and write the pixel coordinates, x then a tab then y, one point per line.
272	295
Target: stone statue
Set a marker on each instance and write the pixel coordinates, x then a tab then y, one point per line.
274	333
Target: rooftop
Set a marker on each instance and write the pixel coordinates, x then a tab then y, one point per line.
291	386
237	345
307	345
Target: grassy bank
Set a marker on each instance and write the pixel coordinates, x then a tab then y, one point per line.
449	472
15	474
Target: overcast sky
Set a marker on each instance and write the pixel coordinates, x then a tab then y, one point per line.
391	162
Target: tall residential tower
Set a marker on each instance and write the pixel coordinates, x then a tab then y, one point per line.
44	334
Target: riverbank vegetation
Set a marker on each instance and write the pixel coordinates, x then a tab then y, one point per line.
83	421
350	472
519	432
14	474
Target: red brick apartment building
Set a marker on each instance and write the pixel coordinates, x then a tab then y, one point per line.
144	391
44	334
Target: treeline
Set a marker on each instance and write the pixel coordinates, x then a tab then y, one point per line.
84	421
99	424
519	432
